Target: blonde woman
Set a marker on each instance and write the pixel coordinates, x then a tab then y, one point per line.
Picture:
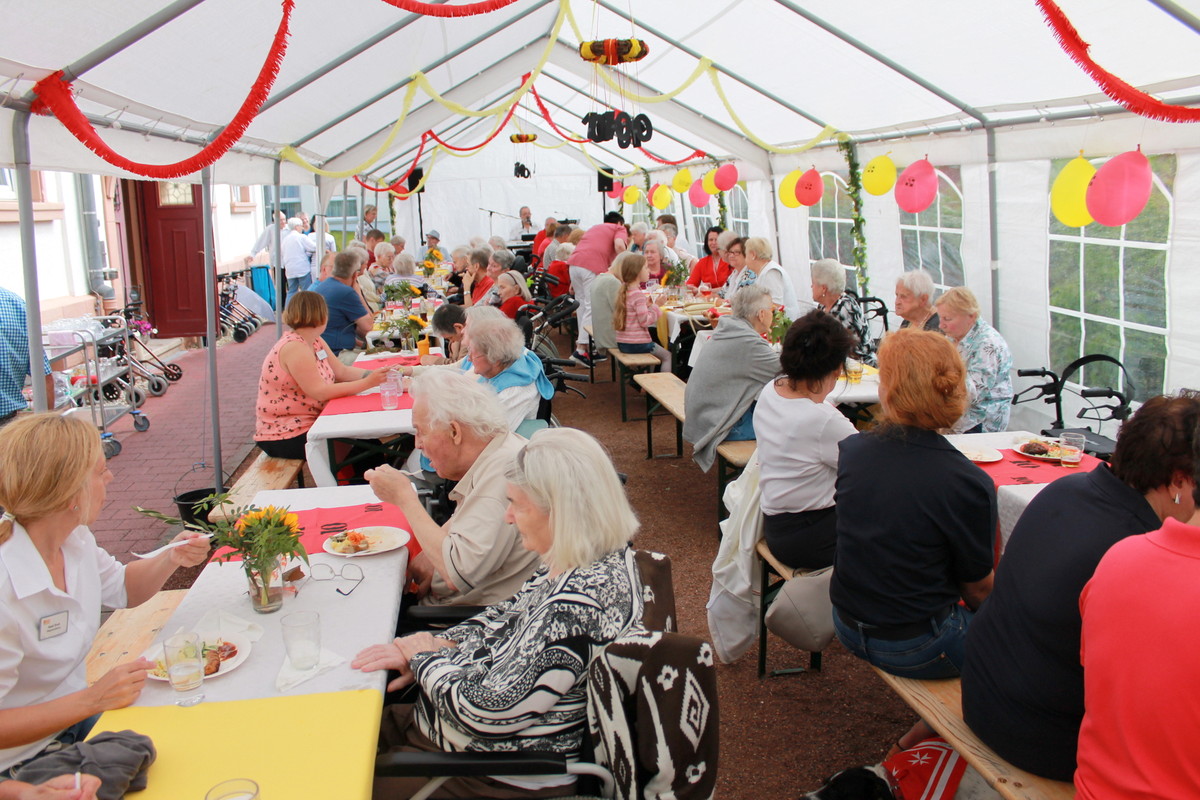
53	580
988	361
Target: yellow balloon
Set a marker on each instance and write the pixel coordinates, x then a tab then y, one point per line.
787	189
682	180
1068	195
661	198
632	193
709	182
879	176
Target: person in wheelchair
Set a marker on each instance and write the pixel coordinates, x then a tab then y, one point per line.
476	557
513	677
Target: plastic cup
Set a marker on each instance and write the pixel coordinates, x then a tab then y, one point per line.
1070	448
854	371
236	789
185	667
389	392
302	639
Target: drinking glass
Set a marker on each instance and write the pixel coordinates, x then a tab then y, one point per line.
184	658
389	392
302	639
705	290
854	371
1070	448
236	789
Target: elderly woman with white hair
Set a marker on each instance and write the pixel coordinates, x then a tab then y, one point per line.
988	361
914	300
637	236
657	255
514	676
759	260
496	352
514	293
731	372
829	292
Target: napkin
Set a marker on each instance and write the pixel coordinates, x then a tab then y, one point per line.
290	678
217	621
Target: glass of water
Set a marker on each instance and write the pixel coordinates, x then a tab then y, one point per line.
184	657
302	639
236	789
389	392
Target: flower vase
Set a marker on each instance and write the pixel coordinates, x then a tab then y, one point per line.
266	587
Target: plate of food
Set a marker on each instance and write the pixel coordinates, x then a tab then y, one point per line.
981	455
1039	449
222	654
366	541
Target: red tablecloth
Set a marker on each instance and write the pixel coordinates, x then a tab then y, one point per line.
318	524
357	403
1019	469
378	363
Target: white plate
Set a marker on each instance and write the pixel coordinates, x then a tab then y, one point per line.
155	653
1035	457
982	455
383	539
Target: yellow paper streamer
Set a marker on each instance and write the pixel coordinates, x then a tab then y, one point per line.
825	133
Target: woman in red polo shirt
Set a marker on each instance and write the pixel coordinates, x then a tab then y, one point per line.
710	269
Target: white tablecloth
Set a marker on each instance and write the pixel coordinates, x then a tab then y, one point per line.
1010	500
348	624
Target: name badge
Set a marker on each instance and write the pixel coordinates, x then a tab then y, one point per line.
321	356
52	626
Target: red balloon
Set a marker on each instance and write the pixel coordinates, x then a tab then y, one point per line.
697	195
1120	189
810	188
617	191
917	187
726	177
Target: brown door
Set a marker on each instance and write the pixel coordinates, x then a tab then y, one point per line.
172	244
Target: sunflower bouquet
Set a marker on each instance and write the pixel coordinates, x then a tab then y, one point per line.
433	260
401	291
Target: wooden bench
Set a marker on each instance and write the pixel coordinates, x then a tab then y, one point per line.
265	474
939	703
628	365
732	458
665	391
592	351
766	589
129	631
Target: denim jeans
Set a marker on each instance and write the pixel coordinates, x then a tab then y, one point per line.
297	285
937	654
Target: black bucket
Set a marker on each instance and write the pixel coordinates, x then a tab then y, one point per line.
193	508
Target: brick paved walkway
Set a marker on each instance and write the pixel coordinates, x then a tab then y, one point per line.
150	464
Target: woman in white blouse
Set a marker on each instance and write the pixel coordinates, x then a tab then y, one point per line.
798	435
53	580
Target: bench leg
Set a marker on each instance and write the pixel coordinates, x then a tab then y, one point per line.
649	426
763	585
678	439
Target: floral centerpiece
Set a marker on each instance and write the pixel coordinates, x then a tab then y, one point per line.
433	260
401	291
675	275
779	326
263	538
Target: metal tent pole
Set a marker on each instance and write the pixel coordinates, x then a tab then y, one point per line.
210	320
277	265
33	307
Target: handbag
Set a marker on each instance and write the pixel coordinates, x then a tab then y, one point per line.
802	613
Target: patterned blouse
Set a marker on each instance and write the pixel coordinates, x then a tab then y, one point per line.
989	385
516	681
850	313
283	410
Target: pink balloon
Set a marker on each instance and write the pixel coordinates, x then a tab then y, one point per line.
617	190
1120	189
917	187
697	195
726	177
650	191
810	188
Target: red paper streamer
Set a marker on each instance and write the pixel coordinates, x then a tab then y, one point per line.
546	115
54	97
652	157
1126	95
430	10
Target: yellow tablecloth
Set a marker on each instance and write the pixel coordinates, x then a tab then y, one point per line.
318	746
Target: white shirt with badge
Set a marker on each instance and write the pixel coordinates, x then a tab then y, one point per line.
45	634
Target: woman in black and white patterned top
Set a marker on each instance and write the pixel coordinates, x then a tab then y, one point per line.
512	678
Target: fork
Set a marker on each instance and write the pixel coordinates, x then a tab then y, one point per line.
171	546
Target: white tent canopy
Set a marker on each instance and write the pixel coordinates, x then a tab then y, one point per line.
986	89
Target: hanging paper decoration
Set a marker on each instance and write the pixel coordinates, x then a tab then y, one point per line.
726	177
617	190
523	138
709	182
613	51
660	198
698	196
627	130
917	187
631	195
431	10
1120	189
810	188
521	171
682	180
787	189
1068	195
879	176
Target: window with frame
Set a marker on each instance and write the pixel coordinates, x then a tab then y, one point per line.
240	200
831	222
1108	291
738	211
932	240
289	201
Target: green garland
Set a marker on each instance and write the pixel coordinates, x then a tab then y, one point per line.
722	209
854	186
649	205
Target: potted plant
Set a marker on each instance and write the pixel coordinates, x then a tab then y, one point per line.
779	326
264	538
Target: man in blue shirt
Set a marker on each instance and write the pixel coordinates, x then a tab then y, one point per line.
348	316
14	357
